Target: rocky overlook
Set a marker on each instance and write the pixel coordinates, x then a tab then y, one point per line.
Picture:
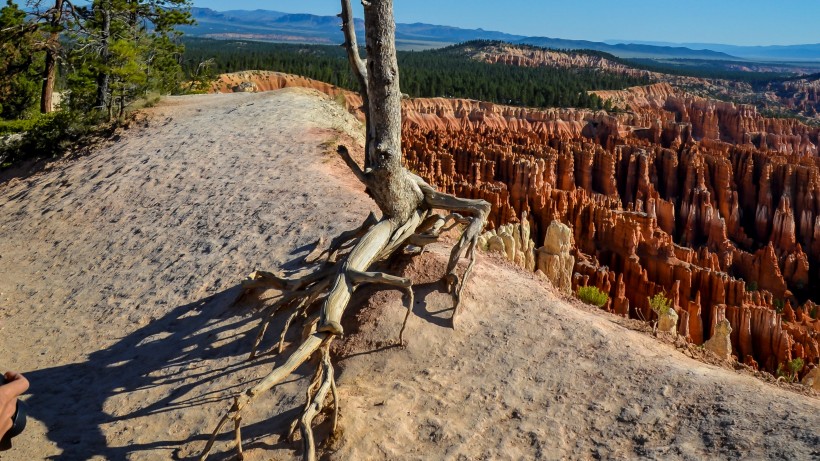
706	201
206	190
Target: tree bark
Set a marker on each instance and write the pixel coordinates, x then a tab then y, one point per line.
103	78
49	77
52	50
391	187
359	69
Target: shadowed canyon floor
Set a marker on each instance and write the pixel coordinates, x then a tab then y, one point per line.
120	270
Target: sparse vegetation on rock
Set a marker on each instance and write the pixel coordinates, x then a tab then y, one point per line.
667	317
791	369
660	304
592	295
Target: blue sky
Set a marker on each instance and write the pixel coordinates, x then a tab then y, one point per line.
735	22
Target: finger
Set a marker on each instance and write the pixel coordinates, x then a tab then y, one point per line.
16	385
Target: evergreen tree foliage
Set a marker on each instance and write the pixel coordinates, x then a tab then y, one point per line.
101	55
446	72
20	64
53	19
128	48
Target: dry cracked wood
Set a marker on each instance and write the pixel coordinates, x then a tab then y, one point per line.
407	203
352	273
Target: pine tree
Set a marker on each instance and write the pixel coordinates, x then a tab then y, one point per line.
18	63
55	18
128	47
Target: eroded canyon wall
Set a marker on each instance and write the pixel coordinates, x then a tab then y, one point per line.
708	202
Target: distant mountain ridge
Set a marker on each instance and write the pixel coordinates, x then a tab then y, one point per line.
310	28
277	26
808	51
626	50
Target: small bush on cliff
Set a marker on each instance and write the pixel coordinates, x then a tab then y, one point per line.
46	136
340	100
51	135
8	127
592	295
660	304
751	286
790	369
796	365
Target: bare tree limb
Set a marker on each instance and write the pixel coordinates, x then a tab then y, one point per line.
354	167
352	46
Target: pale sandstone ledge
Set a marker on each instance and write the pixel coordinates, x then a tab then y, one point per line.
119	269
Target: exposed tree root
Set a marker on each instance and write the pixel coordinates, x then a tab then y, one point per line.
408	207
379	242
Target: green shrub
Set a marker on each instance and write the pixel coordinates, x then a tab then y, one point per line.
660	303
592	295
45	136
16	126
340	100
751	286
779	305
796	365
793	367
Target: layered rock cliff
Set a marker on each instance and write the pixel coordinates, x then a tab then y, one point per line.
794	97
801	96
253	81
527	56
707	202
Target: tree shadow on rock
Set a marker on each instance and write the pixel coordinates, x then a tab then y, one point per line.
171	354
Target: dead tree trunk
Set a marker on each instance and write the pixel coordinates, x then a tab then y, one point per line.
409	217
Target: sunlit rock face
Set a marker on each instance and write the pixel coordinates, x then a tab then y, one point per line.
708	202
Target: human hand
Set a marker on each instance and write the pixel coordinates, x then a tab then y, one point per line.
15	385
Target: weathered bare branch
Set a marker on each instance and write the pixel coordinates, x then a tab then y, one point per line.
362	255
351	45
285	330
237	423
264	279
359	68
379	277
479	210
344	239
354	167
316	252
303	353
410	303
422	240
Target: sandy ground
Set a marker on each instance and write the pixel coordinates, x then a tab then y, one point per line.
119	271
